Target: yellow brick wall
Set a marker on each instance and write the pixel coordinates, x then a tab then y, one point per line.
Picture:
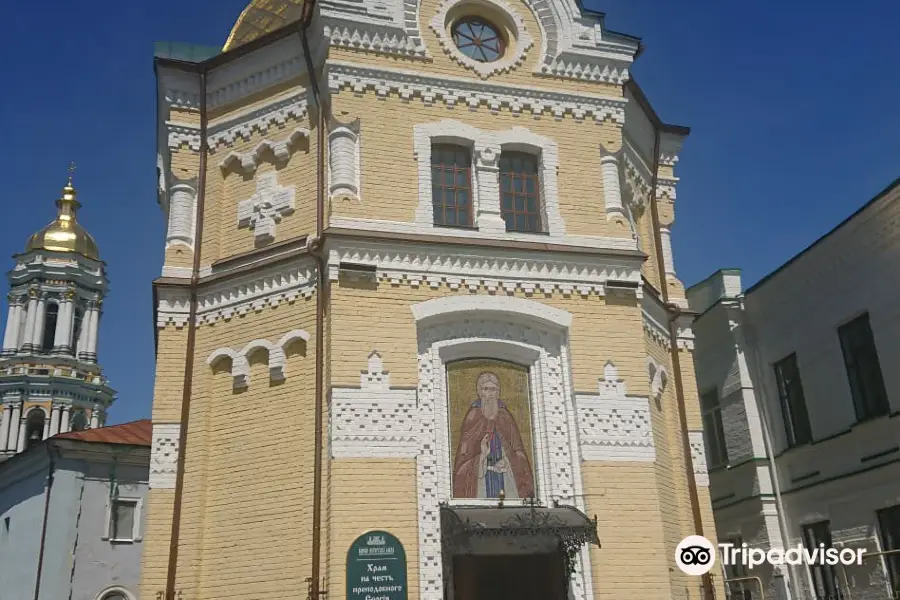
602	329
633	559
442	65
389	182
369	494
248	463
222	237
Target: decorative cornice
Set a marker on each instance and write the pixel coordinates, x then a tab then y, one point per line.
237	296
260	120
522	41
573	66
665	188
183	134
247	162
474	93
489	269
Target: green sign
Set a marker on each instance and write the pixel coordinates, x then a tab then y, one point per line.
376	568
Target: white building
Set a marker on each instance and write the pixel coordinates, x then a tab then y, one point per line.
800	388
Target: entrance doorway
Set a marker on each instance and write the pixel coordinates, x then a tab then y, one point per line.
510	577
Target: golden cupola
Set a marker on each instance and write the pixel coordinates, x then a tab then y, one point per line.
64	234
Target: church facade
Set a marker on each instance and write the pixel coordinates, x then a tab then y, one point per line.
418	281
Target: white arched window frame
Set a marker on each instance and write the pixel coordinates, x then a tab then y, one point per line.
111	592
486	147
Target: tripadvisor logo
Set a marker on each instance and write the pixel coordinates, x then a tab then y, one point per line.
696	555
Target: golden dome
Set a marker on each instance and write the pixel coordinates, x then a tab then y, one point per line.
64	234
260	18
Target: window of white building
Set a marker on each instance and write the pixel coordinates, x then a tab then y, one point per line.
889	526
713	430
793	402
863	369
124	520
826	585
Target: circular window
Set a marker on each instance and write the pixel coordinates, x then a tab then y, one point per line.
478	39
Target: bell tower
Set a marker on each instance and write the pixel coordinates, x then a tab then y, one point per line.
50	380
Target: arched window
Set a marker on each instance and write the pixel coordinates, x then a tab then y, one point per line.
34	427
115	593
79	421
451	185
50	317
520	198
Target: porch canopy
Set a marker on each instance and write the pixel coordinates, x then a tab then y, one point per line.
462	527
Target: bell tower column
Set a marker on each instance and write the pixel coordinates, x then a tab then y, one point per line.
30	319
13	326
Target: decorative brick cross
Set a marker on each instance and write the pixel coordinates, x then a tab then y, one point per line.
266	207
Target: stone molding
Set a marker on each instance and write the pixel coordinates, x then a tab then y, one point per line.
247	162
243	125
344	161
506	334
523	41
486	148
613	426
183	134
240	359
698	457
453	307
637	176
373	421
265	208
164	450
453	91
237	296
659	379
495	271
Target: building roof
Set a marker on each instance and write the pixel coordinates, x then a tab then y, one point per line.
135	433
895	184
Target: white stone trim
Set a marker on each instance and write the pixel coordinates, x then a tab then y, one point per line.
387	28
243	124
698	457
487	147
247	162
373	421
164	451
636	175
574	241
264	209
237	296
474	93
659	379
491	269
183	134
453	307
509	335
344	162
173	306
116	589
522	40
181	214
240	359
613	426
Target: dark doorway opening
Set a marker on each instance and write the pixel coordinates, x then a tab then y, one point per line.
510	577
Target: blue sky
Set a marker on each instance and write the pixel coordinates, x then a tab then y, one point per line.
794	110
